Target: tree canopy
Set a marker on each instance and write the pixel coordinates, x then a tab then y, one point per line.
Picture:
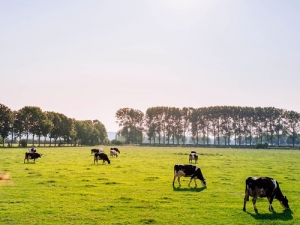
31	120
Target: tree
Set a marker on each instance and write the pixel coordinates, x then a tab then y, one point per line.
6	122
55	132
46	127
131	121
293	125
102	137
186	113
29	118
67	128
149	124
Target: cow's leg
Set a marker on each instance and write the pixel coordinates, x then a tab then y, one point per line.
246	198
195	181
254	204
175	175
174	179
270	201
178	178
193	177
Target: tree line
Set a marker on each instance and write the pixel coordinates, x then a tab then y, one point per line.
31	120
217	125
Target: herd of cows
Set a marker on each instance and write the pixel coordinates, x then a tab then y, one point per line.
99	154
255	187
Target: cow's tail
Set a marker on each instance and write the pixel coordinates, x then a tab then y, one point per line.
175	174
175	169
247	192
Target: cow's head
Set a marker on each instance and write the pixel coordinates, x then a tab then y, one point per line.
203	182
285	203
41	155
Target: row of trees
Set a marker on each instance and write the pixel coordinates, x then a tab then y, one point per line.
219	125
31	120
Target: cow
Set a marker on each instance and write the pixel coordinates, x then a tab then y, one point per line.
116	149
31	150
193	156
93	151
188	171
114	153
97	150
102	156
264	187
32	155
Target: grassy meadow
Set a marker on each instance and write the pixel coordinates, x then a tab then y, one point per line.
65	187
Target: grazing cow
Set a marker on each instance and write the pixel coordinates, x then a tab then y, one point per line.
32	155
188	171
31	150
94	150
97	150
116	149
114	153
264	187
102	156
193	156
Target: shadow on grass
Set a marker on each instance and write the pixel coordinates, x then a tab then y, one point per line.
285	215
195	189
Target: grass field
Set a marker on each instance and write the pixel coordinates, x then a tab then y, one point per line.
65	187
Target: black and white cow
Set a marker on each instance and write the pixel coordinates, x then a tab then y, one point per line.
31	149
193	156
102	156
97	150
116	149
114	152
32	155
264	187
182	170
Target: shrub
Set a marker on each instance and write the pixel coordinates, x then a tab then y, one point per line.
262	145
116	142
23	143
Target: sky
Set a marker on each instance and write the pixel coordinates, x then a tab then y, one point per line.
88	59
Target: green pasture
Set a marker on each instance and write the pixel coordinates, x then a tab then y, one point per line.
65	187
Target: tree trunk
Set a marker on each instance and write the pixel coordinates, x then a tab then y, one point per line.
12	138
33	140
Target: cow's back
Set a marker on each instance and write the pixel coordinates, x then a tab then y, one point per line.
261	186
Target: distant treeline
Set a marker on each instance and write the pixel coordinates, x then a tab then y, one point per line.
218	125
31	120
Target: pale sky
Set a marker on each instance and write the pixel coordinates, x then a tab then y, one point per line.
87	59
